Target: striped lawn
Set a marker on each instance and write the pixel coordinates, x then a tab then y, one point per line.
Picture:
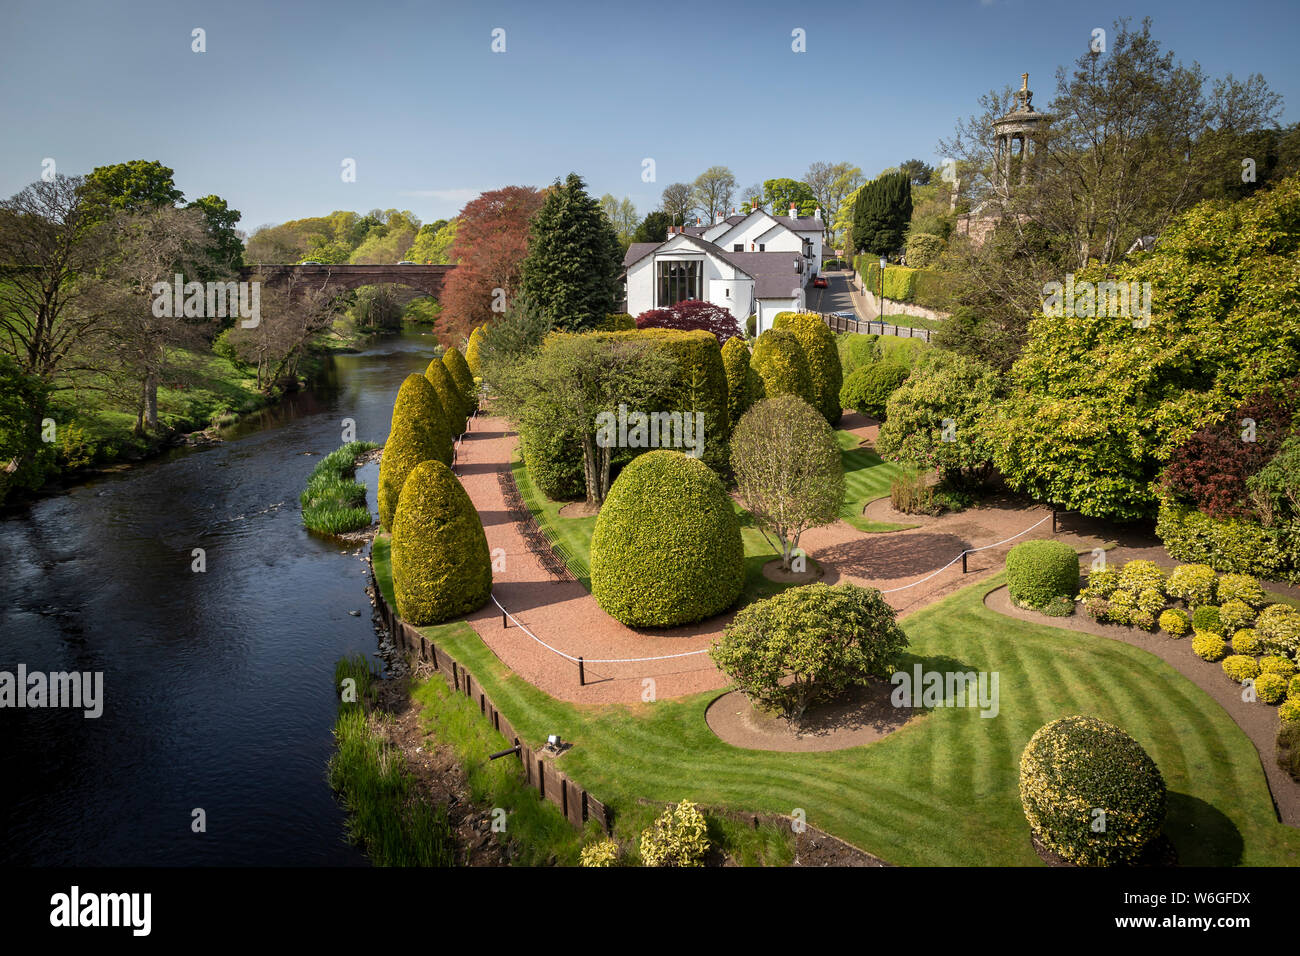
943	790
867	477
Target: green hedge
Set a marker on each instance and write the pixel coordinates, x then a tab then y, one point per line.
856	350
779	360
735	363
418	433
453	405
868	389
818	343
553	457
441	564
1077	766
924	287
1038	571
1232	545
666	549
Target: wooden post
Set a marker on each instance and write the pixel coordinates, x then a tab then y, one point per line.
504	621
963	561
1053	521
582	673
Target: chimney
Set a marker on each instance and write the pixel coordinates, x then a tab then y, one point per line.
817	213
794	211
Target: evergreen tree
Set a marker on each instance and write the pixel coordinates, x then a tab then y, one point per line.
574	258
881	214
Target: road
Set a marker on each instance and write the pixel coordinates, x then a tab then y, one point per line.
836	297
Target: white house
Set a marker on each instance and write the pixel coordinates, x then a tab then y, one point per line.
756	264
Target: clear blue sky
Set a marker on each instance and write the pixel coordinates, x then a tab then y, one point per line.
413	92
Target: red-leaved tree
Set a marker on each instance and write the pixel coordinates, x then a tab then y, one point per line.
491	242
1210	469
690	315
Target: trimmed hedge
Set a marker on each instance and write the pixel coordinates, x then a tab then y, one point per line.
553	458
868	389
1076	766
905	351
1236	546
460	373
418	433
818	343
453	406
441	564
666	549
782	366
472	351
735	363
1038	571
856	350
1209	646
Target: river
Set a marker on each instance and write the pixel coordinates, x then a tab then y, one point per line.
217	686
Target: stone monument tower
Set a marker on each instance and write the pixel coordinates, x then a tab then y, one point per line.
1024	126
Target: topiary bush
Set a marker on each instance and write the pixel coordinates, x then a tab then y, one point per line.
453	406
1246	641
1278	627
1138	576
1289	712
1277	664
1206	618
1175	623
441	565
1241	587
460	373
1038	571
1235	614
1075	767
679	837
868	389
1270	688
472	351
666	549
1209	646
1192	583
1240	667
735	362
818	344
418	433
779	360
1102	583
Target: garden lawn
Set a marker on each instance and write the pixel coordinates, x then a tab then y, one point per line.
943	790
867	477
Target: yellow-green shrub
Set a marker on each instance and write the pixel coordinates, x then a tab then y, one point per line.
1270	688
460	373
472	351
779	360
1175	623
418	433
1246	641
1192	583
818	343
1209	646
453	406
1276	664
1290	710
1278	626
1139	575
1242	587
604	853
1240	667
1235	614
441	565
679	837
1074	767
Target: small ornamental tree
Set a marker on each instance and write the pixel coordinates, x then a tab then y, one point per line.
1090	792
788	469
779	360
441	564
735	362
458	368
690	315
453	406
818	343
418	433
809	644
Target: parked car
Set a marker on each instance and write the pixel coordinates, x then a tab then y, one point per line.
407	262
819	282
310	262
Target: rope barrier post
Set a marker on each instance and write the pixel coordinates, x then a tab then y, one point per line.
582	673
1053	521
963	561
504	623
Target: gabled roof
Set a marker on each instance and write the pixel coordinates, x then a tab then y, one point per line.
775	274
638	251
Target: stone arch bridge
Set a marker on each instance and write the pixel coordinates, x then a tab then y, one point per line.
426	278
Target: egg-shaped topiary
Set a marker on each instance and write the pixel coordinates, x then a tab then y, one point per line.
666	549
1090	792
782	367
1038	571
472	351
818	343
441	564
458	368
1240	667
449	395
735	362
419	433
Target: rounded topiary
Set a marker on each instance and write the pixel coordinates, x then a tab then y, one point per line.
1270	688
1235	614
441	564
418	433
460	373
1240	667
1175	623
1206	618
1246	641
1077	771
472	348
1290	710
1278	627
868	389
781	365
1038	571
1139	576
1242	587
1209	646
1102	583
1276	664
666	549
1192	583
818	343
453	405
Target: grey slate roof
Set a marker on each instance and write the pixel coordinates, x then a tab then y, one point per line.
775	274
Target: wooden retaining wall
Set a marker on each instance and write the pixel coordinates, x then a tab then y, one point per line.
577	805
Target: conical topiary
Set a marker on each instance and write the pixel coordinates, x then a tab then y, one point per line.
441	564
824	370
419	433
735	361
462	376
471	351
449	395
782	366
666	549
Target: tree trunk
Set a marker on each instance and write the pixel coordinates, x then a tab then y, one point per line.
589	471
151	401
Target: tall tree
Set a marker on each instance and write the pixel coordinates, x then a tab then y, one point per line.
918	171
832	184
130	187
653	228
881	214
780	194
491	241
224	249
433	243
571	271
712	191
678	201
622	215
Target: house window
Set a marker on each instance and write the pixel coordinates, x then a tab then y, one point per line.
762	247
738	247
679	281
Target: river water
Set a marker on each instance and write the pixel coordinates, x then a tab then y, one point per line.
218	686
